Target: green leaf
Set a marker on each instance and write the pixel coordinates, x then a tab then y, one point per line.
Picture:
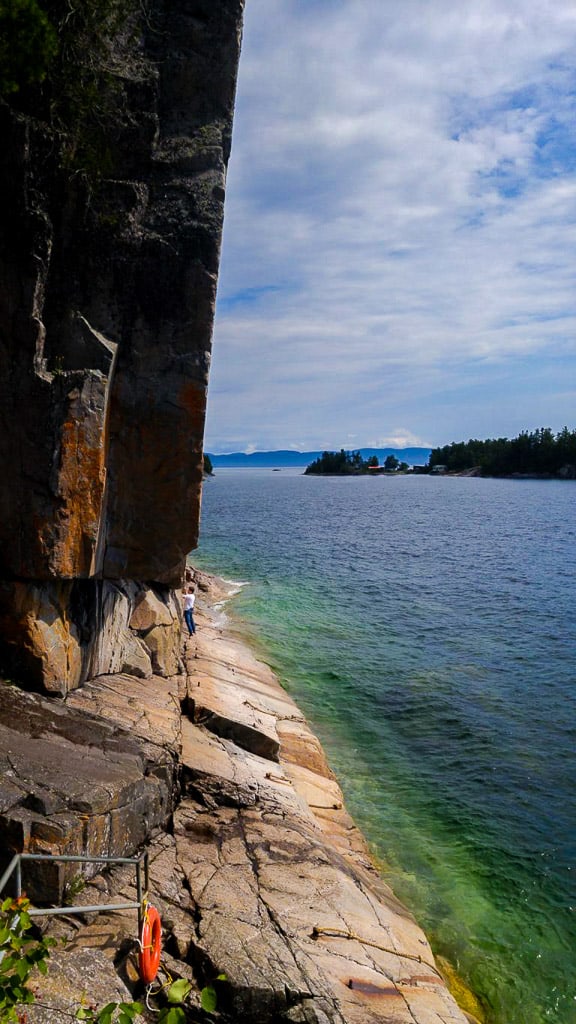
21	994
178	992
208	999
128	1012
109	1008
173	1015
22	969
222	977
36	953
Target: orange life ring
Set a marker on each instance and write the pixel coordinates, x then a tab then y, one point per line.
150	946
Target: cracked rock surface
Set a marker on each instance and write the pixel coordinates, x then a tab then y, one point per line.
91	776
288	903
261	874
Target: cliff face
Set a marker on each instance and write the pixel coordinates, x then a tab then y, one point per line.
112	178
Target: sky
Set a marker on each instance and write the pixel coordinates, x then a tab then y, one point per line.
399	253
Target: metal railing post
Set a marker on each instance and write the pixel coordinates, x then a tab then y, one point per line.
139	895
9	871
15	866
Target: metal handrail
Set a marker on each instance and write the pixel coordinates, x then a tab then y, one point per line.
15	865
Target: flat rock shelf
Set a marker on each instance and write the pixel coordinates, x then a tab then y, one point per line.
256	867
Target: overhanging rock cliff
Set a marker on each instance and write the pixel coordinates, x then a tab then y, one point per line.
112	179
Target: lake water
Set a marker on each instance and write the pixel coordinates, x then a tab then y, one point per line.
426	627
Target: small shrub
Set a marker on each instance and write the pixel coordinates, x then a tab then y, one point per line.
28	44
20	954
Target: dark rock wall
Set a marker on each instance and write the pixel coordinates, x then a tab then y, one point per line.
110	228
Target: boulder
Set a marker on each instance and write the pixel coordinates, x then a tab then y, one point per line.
63	633
87	977
79	782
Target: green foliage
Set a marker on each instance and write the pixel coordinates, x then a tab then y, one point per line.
20	954
208	999
338	464
208	996
86	84
73	888
345	463
538	452
172	1015
28	44
179	991
208	467
78	51
112	1013
176	996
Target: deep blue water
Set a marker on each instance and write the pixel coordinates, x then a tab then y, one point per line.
426	626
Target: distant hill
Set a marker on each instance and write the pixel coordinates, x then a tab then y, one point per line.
286	458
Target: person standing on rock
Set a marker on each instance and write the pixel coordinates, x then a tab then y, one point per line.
189	602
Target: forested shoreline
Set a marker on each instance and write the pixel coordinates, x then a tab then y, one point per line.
532	453
539	452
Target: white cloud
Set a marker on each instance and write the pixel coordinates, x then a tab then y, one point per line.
401	213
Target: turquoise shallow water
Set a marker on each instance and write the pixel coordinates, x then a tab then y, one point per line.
426	627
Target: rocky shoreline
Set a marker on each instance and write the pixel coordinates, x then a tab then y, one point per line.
256	867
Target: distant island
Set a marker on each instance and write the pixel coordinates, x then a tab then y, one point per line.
344	463
286	458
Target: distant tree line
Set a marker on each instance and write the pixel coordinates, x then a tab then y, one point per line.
351	464
538	452
339	464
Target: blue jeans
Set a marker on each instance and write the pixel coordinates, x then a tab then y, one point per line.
189	619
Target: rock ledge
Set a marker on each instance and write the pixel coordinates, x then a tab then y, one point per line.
256	867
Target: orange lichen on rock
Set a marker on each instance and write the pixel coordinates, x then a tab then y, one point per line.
82	479
70	538
34	620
